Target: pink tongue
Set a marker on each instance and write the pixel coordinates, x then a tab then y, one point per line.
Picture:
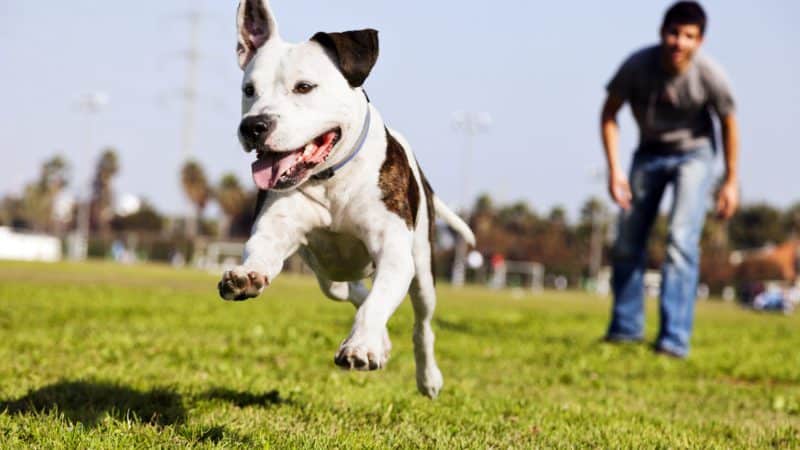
267	170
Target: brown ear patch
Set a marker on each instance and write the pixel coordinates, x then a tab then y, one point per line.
397	183
354	52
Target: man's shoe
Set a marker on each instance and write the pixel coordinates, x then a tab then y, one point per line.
621	340
668	353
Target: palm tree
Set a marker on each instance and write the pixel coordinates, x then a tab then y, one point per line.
195	185
36	205
756	225
231	199
792	221
55	173
102	206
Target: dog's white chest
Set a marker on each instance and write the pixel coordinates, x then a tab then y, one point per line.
340	256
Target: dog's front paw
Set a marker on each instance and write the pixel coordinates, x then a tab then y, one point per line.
364	352
240	285
429	380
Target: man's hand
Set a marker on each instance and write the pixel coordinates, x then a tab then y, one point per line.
618	185
727	200
728	196
620	190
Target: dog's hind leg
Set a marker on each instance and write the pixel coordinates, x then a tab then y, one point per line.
352	291
423	299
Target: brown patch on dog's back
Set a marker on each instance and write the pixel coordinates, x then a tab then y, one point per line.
397	182
429	203
431	217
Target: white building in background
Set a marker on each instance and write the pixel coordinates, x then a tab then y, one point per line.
28	247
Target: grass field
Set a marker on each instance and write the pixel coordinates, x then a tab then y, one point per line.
103	356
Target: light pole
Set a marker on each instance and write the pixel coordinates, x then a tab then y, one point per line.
90	104
598	218
470	123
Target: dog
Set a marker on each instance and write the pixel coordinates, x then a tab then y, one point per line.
337	186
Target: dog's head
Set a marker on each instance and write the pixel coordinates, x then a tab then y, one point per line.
302	104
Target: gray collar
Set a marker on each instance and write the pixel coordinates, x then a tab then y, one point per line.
331	171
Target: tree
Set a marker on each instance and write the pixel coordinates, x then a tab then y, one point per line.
594	220
558	216
35	208
11	212
102	203
756	225
791	220
518	216
147	218
715	235
593	209
242	223
483	205
55	174
195	185
231	199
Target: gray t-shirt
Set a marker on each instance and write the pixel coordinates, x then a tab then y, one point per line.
673	111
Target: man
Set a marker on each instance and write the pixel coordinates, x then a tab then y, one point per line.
673	91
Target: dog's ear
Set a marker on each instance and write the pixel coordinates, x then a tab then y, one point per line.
256	26
354	52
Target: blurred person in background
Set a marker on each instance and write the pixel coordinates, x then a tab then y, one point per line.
673	90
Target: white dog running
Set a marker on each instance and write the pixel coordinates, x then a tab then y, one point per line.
336	186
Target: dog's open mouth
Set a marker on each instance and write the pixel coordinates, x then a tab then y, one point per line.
280	170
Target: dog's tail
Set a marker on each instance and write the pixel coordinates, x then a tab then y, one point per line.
453	220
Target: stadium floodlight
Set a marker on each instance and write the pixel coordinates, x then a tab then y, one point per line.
93	102
470	123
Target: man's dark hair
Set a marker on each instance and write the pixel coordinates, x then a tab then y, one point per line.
685	13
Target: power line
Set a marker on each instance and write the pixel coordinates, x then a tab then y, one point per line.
189	94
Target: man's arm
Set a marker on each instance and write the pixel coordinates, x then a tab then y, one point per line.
728	197
618	185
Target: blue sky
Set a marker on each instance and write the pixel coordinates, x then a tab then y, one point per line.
538	70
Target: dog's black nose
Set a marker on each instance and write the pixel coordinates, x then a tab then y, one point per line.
255	128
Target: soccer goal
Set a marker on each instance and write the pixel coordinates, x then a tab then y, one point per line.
527	274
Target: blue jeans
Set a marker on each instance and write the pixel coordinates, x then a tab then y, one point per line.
691	175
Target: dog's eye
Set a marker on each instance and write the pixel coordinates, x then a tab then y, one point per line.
249	90
303	87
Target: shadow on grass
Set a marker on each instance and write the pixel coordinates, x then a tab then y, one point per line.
88	402
485	327
458	327
243	399
214	435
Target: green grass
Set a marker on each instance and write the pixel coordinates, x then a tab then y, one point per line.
103	356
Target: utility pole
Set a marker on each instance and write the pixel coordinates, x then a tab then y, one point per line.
471	124
90	104
189	94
